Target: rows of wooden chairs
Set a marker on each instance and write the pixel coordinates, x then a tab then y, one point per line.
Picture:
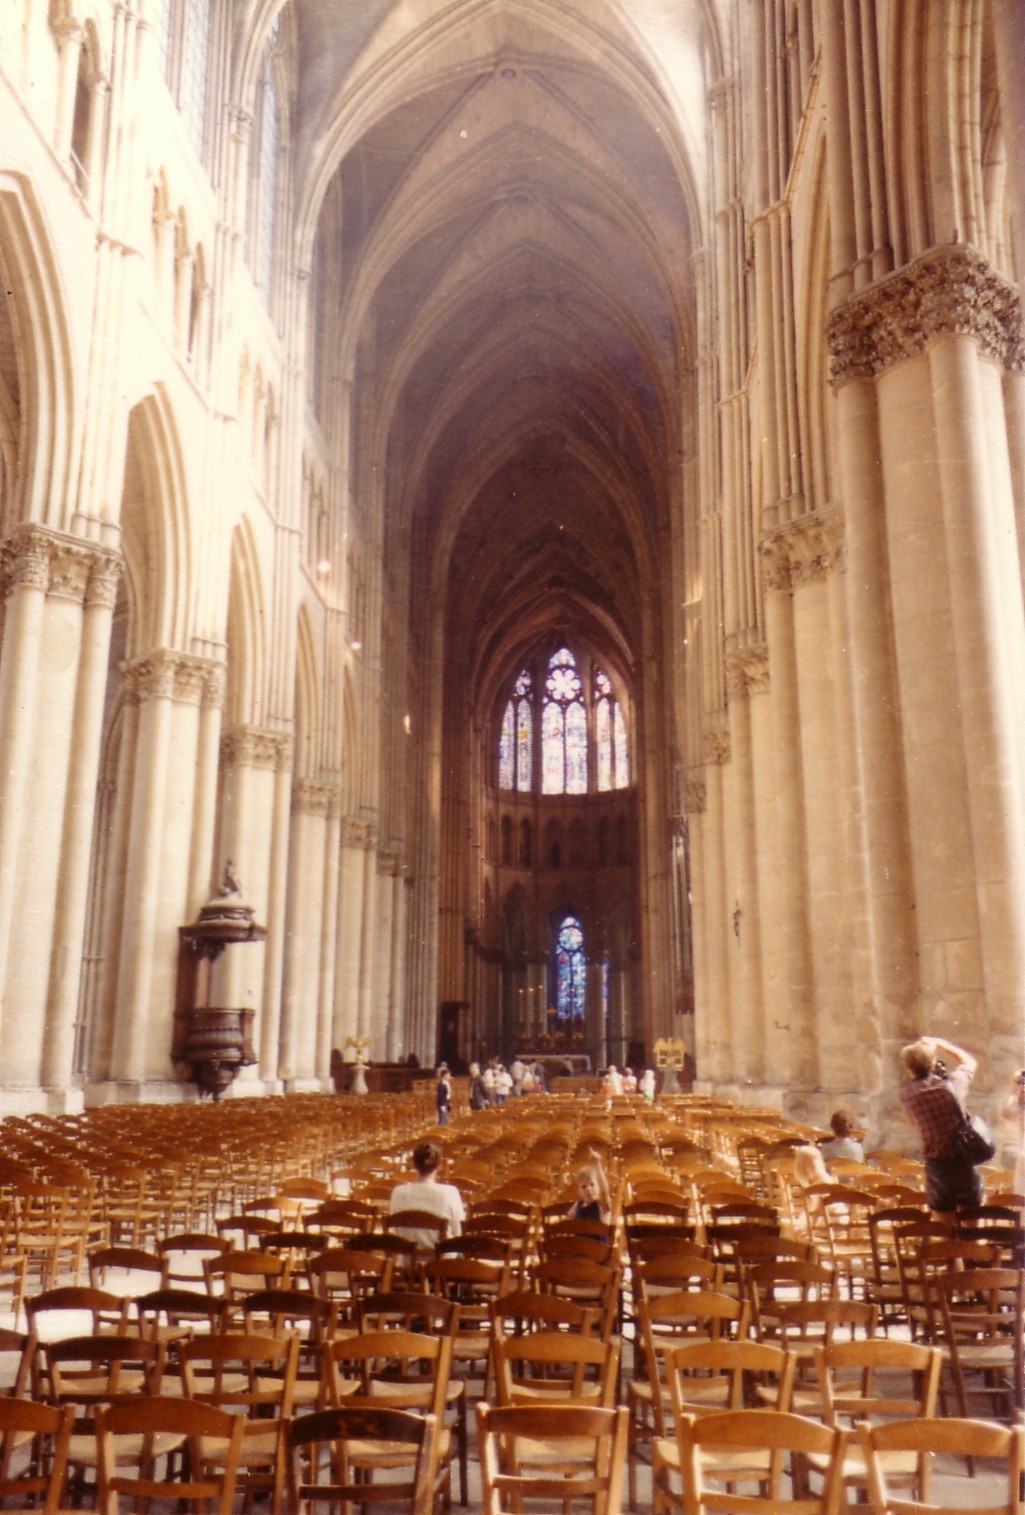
707	1295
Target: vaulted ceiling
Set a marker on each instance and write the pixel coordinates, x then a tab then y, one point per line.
515	185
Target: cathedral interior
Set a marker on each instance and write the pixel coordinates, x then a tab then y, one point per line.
512	514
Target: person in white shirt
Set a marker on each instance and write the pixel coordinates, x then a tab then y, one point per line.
427	1193
503	1084
613	1081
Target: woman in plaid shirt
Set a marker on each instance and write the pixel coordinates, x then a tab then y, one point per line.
934	1101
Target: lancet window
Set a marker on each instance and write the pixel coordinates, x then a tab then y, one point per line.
570	971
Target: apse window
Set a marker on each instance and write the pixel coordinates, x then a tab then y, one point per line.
570	971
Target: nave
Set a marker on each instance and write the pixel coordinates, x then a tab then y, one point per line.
245	1253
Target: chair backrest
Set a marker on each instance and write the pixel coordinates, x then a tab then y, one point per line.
947	1436
880	1378
34	1452
745	1437
236	1274
525	1310
404	1369
166	1418
550	1366
127	1271
558	1435
175	1312
240	1371
407	1310
318	1461
184	1252
705	1377
86	1371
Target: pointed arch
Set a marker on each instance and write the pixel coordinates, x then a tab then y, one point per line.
308	702
247	620
154	527
46	391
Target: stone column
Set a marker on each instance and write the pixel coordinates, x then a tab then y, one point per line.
383	1028
26	573
747	673
928	346
204	820
152	680
369	1021
256	802
102	572
305	932
328	939
718	910
350	932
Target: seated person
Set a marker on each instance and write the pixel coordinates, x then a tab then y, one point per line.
842	1143
427	1193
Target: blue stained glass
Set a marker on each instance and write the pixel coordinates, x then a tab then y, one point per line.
505	749
553	766
571	971
576	749
524	744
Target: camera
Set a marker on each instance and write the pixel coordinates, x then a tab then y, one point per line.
939	1067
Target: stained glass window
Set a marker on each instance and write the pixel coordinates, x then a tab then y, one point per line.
611	747
563	728
570	971
568	727
516	743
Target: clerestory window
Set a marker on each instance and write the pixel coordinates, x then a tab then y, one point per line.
571	734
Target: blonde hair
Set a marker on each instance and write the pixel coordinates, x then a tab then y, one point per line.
919	1057
597	1172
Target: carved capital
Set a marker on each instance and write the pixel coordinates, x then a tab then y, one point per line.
309	798
389	862
949	291
747	670
165	674
695	796
214	685
355	834
716	747
803	550
255	747
67	567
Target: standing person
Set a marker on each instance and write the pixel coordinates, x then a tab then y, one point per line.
427	1193
1014	1111
647	1085
478	1089
443	1094
613	1083
488	1080
933	1100
503	1084
517	1071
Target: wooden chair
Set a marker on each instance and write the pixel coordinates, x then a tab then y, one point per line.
344	1277
326	1449
533	1454
525	1310
762	1448
707	1378
872	1382
401	1370
71	1310
305	1316
87	1372
127	1271
980	1330
184	1252
930	1438
35	1437
666	1322
252	1376
154	1429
